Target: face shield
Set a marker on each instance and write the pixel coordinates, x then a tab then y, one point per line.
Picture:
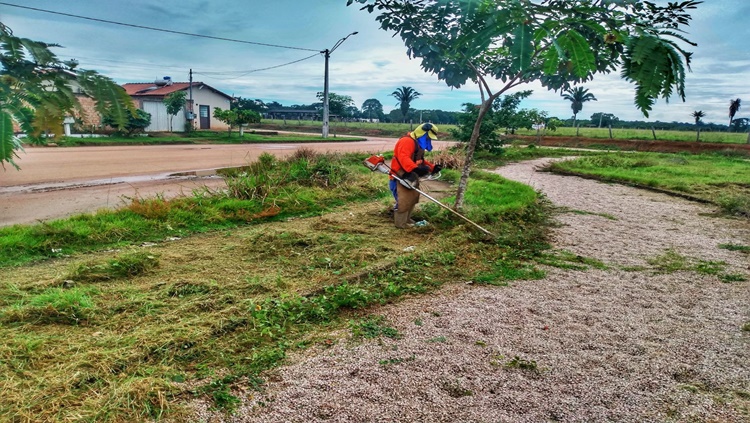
425	142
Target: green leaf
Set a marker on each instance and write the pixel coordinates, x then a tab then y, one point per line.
522	47
579	52
8	141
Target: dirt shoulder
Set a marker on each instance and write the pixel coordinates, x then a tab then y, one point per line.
625	344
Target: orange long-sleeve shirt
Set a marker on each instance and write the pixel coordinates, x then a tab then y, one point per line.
407	155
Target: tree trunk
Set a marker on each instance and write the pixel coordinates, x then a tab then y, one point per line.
698	136
575	122
653	132
464	181
748	137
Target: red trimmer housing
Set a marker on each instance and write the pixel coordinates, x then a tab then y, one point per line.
377	164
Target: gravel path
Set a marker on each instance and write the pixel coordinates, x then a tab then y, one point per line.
607	345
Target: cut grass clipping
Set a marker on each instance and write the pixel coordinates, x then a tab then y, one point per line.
133	334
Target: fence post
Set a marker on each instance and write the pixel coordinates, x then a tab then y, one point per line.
610	132
653	132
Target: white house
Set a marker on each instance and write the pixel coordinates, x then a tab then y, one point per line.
149	97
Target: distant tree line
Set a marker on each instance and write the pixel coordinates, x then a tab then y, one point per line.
342	107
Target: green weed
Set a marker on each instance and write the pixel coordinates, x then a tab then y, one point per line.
745	249
454	388
732	277
669	262
373	327
398	360
523	364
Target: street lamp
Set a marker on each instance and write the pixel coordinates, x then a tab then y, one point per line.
327	53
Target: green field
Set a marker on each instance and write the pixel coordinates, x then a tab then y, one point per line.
398	129
644	134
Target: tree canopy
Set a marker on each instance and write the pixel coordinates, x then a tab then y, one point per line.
337	103
556	42
36	92
174	102
372	108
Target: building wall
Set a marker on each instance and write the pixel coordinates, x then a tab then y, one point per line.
90	117
207	97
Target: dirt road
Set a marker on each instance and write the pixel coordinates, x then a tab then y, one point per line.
59	182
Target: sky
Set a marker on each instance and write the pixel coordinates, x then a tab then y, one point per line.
370	64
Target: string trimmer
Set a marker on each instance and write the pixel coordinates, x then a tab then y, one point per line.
377	164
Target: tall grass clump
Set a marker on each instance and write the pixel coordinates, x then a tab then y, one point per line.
55	305
123	266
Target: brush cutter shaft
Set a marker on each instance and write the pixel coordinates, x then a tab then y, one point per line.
377	164
427	196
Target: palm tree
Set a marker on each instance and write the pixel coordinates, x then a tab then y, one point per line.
698	115
734	107
577	97
405	95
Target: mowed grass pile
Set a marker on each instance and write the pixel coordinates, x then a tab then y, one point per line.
134	332
267	189
723	180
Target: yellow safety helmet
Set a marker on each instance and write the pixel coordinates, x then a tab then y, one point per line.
425	128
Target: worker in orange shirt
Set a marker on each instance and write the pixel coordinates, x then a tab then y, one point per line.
409	164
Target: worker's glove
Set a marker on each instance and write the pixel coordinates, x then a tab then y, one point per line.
436	169
409	180
421	170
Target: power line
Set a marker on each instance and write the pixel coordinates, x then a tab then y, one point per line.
155	29
252	71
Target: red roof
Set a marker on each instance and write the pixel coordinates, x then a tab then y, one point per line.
149	88
135	89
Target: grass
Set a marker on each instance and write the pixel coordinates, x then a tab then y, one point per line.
198	137
671	261
117	330
382	129
270	190
644	134
719	179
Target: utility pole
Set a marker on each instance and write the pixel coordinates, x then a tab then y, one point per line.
327	55
192	107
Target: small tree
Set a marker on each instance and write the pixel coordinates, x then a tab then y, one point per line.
136	123
174	102
236	117
555	42
698	115
504	115
734	107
